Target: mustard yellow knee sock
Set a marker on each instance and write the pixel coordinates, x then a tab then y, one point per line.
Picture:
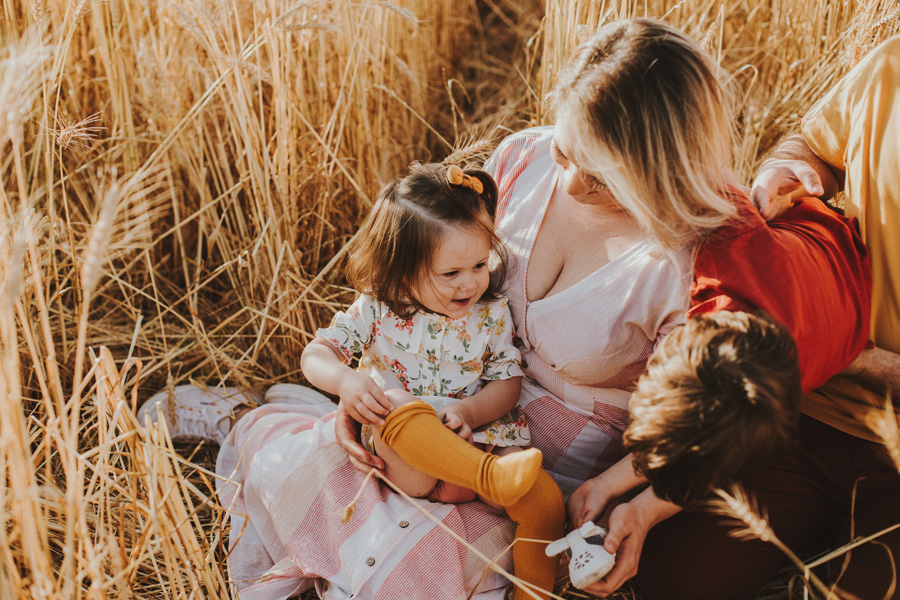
416	433
541	515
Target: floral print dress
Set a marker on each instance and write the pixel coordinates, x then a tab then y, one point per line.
436	358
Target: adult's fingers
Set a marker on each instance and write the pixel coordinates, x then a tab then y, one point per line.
580	508
365	466
779	182
347	435
624	569
809	178
620	527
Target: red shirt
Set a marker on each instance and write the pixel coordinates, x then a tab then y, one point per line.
808	269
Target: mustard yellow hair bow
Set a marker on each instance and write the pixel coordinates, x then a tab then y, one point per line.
456	176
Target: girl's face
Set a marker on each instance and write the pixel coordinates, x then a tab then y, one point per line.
458	274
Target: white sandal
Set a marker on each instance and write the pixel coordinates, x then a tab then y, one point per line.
196	413
590	561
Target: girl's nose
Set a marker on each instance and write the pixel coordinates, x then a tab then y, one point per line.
468	283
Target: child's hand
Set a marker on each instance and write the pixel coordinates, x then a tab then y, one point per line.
587	502
457	418
363	399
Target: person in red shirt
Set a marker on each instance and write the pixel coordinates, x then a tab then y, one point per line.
692	431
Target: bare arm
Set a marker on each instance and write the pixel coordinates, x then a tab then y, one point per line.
876	369
327	369
588	501
793	170
493	401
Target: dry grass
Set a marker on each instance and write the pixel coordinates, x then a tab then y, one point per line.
179	181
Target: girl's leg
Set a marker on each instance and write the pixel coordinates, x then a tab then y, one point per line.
539	515
414	482
416	433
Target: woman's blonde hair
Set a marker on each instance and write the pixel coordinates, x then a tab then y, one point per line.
651	115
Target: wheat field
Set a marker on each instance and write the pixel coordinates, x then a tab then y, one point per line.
180	180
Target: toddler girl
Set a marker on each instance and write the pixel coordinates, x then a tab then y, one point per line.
436	355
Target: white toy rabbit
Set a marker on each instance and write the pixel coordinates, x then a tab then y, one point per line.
590	561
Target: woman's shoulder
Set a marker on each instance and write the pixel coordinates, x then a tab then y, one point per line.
518	149
522	162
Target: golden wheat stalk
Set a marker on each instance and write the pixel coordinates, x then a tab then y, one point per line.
740	506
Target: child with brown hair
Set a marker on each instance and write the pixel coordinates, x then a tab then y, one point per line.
435	346
720	394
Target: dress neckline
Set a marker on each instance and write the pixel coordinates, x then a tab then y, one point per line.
536	228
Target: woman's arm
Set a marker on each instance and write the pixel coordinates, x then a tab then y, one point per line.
591	497
494	400
628	527
326	368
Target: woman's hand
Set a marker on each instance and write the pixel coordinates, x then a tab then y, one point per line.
346	431
456	417
363	399
587	502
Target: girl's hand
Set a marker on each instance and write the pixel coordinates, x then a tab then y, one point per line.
457	417
587	502
346	432
363	399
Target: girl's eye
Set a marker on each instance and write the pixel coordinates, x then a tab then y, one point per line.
480	266
450	274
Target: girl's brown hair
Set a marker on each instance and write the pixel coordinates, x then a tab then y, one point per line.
408	221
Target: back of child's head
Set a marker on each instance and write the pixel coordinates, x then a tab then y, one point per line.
720	395
410	217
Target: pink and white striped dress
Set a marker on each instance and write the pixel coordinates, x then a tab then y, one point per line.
287	481
584	347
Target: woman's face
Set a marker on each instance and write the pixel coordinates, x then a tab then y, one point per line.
583	187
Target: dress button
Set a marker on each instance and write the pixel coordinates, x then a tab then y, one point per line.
370	561
524	364
404	524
